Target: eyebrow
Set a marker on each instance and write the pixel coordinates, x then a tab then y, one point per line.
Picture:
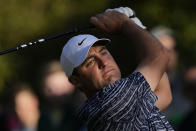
91	56
102	48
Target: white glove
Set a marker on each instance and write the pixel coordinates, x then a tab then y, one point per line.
130	13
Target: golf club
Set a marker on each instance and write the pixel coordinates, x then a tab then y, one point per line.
41	40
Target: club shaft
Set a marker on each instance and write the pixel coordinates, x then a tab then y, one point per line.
74	30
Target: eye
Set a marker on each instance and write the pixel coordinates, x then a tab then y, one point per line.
90	62
104	53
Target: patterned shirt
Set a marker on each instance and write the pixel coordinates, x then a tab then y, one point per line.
125	105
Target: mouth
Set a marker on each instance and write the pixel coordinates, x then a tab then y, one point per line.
108	73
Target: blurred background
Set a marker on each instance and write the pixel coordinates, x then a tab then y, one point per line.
23	21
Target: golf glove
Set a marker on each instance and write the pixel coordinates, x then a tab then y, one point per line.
130	13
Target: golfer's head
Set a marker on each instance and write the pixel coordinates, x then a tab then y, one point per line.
92	64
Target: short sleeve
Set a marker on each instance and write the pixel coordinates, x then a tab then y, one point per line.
124	99
148	97
121	101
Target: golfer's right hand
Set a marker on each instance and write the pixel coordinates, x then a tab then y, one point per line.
109	22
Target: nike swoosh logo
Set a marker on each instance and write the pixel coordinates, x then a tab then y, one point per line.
80	43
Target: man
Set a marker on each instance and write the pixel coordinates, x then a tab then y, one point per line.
60	99
113	103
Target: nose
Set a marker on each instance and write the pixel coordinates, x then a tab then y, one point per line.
101	61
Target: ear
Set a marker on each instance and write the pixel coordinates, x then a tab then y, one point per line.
75	81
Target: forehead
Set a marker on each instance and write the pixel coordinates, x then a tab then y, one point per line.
96	48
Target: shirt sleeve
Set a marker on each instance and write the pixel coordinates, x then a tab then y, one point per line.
126	99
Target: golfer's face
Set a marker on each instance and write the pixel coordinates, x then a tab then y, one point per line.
99	69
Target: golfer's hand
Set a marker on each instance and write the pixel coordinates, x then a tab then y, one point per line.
130	13
110	22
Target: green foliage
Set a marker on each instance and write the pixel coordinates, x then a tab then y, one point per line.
4	71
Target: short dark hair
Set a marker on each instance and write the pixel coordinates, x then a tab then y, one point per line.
75	72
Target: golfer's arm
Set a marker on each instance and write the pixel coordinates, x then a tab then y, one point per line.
153	62
163	93
153	56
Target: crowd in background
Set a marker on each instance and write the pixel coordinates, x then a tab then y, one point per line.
53	107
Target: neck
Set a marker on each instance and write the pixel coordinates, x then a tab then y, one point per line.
89	94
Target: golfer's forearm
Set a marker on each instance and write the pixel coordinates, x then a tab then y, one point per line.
147	47
163	93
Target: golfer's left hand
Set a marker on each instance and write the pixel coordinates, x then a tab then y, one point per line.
110	22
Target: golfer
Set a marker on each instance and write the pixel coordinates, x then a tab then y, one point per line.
114	103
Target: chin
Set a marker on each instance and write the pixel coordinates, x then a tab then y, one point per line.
112	80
